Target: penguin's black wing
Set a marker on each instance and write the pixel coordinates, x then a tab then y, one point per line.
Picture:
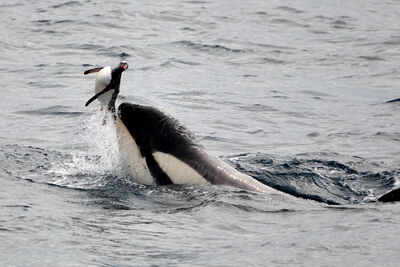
92	70
105	90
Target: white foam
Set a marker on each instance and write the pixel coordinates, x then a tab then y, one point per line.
95	155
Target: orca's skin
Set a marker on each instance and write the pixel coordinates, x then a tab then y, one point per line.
156	149
391	196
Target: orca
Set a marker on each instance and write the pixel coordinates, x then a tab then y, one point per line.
155	149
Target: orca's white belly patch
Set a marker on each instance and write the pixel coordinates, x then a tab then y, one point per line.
178	171
131	157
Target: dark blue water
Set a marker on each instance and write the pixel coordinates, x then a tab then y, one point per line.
301	95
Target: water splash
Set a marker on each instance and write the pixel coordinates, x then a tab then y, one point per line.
101	137
97	161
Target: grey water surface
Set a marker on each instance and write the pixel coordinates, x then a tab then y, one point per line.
301	95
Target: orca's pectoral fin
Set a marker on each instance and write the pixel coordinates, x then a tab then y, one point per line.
391	196
92	70
97	95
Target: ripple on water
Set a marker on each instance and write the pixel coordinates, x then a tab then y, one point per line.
329	178
209	48
65	200
58	110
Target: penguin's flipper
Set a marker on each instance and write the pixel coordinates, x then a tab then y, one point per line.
92	70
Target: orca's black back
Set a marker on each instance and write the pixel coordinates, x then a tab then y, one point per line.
156	131
391	196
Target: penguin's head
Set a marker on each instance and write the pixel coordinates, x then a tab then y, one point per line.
123	65
107	84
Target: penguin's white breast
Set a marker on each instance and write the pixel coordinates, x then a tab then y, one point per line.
103	79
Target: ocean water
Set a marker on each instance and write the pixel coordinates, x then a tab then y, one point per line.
301	95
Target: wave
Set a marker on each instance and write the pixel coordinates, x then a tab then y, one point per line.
58	110
328	178
92	164
324	177
218	48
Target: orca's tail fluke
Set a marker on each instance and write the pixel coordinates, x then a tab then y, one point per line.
390	196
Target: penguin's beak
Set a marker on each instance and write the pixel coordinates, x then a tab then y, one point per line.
125	65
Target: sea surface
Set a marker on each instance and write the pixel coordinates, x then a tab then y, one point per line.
302	95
